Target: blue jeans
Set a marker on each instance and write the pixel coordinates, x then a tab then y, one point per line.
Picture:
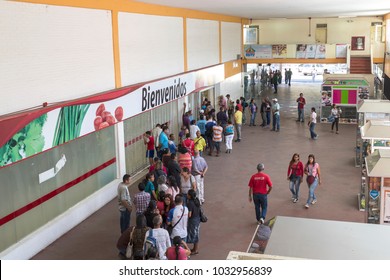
294	187
276	122
253	117
260	200
268	117
124	220
301	115
313	135
312	188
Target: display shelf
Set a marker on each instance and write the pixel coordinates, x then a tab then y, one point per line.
378	175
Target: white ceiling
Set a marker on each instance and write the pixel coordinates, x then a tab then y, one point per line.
266	9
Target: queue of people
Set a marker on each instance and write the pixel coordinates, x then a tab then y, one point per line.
168	203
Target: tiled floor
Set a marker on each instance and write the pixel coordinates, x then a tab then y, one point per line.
231	217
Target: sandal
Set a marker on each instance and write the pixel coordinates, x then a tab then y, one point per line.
194	253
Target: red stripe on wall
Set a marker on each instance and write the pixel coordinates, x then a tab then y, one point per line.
55	192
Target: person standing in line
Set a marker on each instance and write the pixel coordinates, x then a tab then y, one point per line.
222	117
171	144
149	143
295	176
217	137
200	143
193	129
199	169
193	228
209	133
335	112
238	123
312	124
260	186
201	123
162	237
163	141
301	105
275	115
229	135
178	218
313	179
253	111
124	201
185	117
156	135
141	199
179	250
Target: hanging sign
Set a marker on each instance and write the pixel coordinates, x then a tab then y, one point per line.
374	194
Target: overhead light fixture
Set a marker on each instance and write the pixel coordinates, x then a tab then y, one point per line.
346	16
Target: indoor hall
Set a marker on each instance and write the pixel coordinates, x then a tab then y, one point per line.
232	219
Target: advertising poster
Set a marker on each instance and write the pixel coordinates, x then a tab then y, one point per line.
320	51
258	51
301	51
279	51
50	127
341	51
311	51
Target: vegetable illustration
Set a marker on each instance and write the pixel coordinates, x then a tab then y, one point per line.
27	142
69	122
119	113
104	118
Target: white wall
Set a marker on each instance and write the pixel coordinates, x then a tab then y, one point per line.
231	40
232	85
202	43
339	31
52	53
151	47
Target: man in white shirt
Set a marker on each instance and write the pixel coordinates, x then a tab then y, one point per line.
161	235
312	124
178	218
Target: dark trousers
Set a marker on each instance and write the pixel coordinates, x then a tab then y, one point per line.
261	204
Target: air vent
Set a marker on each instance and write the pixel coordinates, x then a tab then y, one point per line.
376	23
322	25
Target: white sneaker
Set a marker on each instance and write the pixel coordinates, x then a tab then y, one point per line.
261	220
307	206
314	201
295	200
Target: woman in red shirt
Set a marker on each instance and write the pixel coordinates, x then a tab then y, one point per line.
295	176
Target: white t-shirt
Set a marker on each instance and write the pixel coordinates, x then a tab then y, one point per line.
313	117
193	129
163	241
174	216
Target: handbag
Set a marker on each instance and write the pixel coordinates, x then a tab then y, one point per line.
310	179
203	217
129	249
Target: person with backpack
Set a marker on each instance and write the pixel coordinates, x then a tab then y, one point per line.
157	238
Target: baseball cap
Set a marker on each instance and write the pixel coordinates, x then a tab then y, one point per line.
275	99
201	111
